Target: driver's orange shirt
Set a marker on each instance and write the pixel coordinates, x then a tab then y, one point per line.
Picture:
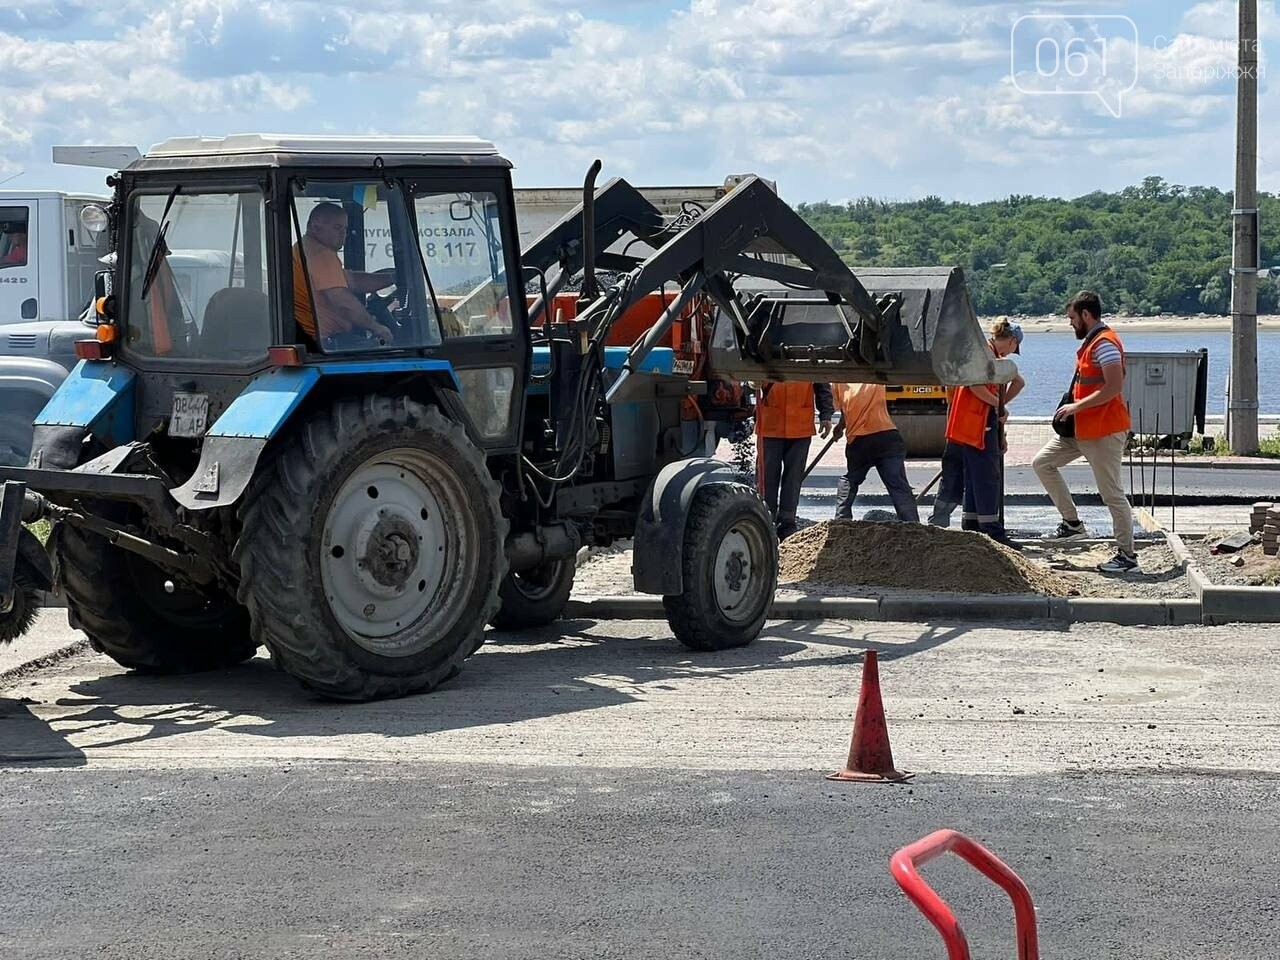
327	273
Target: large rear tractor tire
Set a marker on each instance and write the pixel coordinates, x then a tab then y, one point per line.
730	569
119	600
535	597
372	549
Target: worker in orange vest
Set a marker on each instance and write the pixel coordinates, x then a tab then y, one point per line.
784	427
1094	424
872	440
1003	339
973	425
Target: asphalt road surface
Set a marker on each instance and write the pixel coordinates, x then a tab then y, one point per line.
594	790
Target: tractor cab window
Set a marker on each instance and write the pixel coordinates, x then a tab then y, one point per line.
197	285
13	237
462	247
358	282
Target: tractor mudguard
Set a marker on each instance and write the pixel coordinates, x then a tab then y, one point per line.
658	553
96	397
233	445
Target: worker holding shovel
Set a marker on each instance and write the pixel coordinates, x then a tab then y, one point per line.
975	425
872	440
1005	338
784	428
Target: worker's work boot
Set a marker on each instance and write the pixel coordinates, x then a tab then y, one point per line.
786	527
941	515
997	532
1068	530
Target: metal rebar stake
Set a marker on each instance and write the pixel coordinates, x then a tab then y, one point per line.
1173	477
1142	462
1155	465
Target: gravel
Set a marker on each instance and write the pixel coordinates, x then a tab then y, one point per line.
607	573
1259	570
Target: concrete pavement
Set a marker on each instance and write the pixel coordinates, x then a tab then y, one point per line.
624	694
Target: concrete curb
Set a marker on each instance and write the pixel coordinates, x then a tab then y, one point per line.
821	487
1062	610
1227	604
1208	463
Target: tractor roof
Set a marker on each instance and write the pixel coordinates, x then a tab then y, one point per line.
285	150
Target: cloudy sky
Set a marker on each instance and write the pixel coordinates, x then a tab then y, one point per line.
832	98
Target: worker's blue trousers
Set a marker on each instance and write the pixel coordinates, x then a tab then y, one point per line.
982	481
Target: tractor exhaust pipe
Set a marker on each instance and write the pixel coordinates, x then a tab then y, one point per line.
590	288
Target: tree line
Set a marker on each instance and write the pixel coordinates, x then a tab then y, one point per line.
1147	249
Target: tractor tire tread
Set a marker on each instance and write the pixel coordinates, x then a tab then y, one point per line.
687	612
97	605
273	565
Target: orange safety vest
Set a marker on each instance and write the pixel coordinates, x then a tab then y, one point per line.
1112	416
967	417
785	410
162	304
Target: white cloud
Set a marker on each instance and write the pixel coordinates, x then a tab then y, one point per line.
830	97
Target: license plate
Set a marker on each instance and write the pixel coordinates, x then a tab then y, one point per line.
190	415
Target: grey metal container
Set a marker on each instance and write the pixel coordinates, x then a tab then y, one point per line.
1167	388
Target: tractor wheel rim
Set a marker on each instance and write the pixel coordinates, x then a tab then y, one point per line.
739	572
540	582
397	552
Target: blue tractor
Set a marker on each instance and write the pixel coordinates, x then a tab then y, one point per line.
366	431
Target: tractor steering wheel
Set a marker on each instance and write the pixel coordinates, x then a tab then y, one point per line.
379	308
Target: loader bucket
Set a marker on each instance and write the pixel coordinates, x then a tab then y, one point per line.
931	336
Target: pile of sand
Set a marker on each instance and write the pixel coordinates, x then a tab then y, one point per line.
911	556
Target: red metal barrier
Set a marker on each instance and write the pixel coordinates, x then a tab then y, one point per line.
904	868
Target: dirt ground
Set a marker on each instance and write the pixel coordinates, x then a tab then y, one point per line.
607	572
1259	570
854	553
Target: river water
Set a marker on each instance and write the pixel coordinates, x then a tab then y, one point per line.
1047	361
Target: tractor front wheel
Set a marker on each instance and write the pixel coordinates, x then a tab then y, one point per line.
730	569
372	549
141	616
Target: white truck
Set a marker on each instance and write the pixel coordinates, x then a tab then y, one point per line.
50	246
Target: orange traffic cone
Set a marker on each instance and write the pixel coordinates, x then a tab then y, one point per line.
870	757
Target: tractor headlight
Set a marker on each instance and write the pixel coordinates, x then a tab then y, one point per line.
93	218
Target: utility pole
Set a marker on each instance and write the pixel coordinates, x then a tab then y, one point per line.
1243	414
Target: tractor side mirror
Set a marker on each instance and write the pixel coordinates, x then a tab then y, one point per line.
104	302
460	210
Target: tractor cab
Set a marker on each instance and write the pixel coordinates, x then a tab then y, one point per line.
242	253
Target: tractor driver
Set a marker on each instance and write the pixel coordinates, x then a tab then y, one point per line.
338	308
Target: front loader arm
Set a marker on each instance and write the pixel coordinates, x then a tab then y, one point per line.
809	318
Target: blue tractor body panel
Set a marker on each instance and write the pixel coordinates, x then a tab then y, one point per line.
97	396
270	399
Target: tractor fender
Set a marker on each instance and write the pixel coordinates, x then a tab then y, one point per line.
658	552
95	398
234	443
